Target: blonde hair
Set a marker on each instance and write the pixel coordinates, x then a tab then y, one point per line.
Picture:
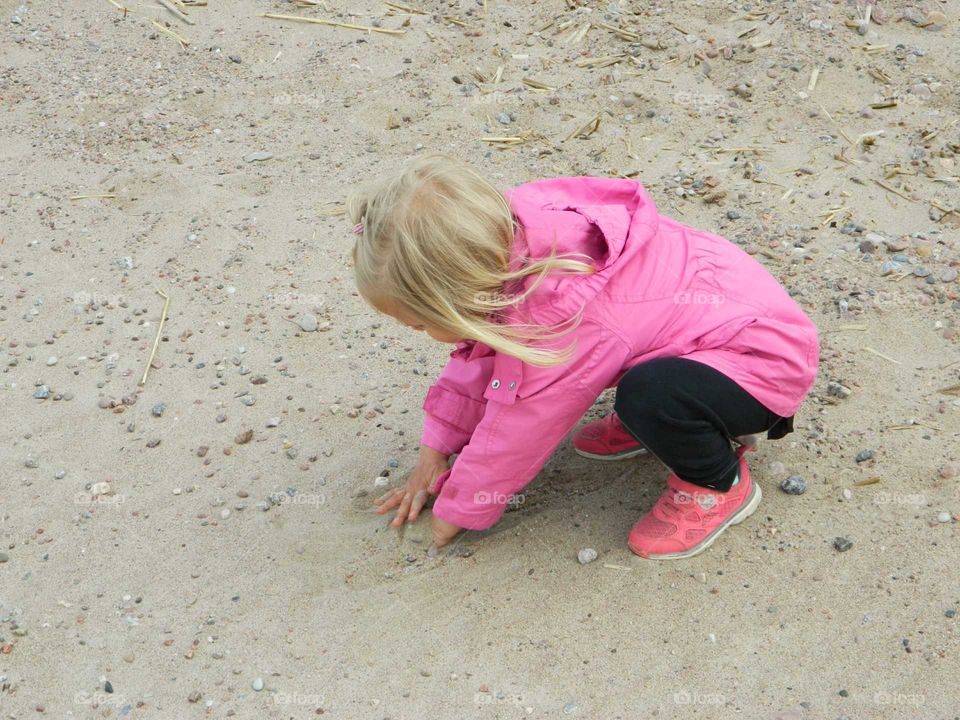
436	241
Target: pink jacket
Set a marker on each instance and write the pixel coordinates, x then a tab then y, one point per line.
661	289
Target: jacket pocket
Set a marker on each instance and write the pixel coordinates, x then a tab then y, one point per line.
723	337
458	411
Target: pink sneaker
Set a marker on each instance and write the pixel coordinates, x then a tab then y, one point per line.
606	439
688	518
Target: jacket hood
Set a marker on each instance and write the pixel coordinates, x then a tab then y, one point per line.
604	221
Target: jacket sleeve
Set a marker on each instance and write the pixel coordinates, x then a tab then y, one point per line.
455	403
514	439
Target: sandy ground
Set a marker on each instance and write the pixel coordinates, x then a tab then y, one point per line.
164	562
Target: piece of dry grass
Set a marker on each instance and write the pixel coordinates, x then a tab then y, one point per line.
176	12
585	130
108	196
333	23
179	38
893	190
405	8
881	355
600	62
156	340
507	141
537	85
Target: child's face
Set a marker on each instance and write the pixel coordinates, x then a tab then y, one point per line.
411	322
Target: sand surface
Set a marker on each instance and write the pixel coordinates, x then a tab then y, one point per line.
141	576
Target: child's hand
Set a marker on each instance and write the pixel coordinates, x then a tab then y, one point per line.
443	532
416	491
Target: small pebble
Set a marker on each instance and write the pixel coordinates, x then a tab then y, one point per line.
307	322
587	555
52	360
847	494
258	156
864	455
838	390
157	410
794	485
944	517
257	684
381	481
842	544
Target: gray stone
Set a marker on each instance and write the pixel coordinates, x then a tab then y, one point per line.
587	555
838	390
257	156
842	544
308	322
794	485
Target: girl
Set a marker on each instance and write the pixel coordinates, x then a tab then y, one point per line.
553	292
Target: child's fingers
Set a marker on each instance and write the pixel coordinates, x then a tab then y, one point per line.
388	496
419	500
402	512
391	502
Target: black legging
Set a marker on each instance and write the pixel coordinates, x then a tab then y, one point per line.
686	414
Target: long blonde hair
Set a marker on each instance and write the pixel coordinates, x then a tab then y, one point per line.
436	240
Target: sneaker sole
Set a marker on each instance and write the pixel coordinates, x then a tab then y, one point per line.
614	456
748	508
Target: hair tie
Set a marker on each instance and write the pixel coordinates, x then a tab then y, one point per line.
358	228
